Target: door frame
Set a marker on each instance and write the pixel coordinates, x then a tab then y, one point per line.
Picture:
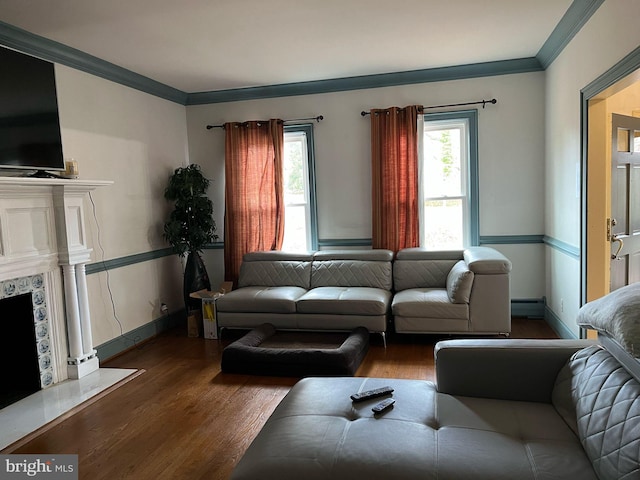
592	281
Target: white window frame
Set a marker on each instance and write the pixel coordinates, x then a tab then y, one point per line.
467	122
305	131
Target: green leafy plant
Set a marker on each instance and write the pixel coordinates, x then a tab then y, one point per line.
191	225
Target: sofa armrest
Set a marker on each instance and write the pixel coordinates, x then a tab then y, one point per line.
522	370
486	261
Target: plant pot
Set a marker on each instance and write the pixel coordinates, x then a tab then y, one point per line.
195	279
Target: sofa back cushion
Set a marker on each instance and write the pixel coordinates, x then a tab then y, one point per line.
275	269
361	268
459	283
418	268
600	400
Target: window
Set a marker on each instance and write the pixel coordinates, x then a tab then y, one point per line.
300	226
448	173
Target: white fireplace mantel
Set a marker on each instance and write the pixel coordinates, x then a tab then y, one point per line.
42	232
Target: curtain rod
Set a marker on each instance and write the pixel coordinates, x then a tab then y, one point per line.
493	101
317	119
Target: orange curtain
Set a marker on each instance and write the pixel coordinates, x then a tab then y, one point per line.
254	203
394	159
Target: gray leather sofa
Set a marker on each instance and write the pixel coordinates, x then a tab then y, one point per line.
462	291
325	290
500	409
425	291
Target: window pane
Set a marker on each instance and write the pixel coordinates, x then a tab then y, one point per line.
443	224
294	180
296	192
623	140
442	163
295	229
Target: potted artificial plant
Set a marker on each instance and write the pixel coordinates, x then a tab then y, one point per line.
191	225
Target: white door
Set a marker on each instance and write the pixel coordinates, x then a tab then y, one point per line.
624	225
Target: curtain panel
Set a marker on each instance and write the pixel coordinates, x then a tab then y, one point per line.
394	162
254	193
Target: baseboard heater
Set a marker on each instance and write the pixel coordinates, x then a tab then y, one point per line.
528	307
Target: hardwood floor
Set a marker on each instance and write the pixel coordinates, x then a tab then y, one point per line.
184	419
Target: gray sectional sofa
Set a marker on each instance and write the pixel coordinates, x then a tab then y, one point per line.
451	291
421	291
499	410
325	290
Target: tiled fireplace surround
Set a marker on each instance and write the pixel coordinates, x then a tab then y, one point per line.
43	251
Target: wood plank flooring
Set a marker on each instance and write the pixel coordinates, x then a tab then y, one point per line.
184	419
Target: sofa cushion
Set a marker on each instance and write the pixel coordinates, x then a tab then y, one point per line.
421	273
459	282
345	301
417	253
351	273
275	273
374	255
261	300
504	439
427	303
316	432
601	401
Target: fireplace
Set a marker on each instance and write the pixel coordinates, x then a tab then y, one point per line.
18	351
43	252
25	351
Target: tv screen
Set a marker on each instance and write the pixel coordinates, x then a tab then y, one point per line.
29	121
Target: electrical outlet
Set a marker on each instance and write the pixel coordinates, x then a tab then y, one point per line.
562	305
164	309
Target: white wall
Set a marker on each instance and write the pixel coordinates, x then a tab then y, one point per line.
610	34
511	158
136	140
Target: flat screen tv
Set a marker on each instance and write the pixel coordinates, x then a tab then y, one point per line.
29	121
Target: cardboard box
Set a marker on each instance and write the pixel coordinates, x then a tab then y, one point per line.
209	323
194	321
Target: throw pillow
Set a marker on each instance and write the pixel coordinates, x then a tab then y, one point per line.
459	282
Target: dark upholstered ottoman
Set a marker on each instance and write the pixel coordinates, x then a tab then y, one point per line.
267	351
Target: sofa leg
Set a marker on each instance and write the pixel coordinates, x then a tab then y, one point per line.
384	339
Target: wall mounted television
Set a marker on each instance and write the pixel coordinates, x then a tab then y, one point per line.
29	120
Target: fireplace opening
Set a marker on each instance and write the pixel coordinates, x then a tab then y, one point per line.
18	350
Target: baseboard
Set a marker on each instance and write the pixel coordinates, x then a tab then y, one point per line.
528	307
131	339
558	325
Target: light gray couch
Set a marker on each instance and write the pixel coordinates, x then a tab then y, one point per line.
425	291
461	291
325	290
502	409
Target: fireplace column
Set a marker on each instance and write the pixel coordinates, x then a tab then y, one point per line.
82	358
73	254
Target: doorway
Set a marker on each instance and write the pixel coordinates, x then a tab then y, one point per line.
607	180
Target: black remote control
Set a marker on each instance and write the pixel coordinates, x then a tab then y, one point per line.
377	392
383	405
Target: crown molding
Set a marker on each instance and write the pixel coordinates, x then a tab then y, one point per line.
576	16
18	39
486	69
578	13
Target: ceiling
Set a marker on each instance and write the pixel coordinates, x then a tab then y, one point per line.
212	45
